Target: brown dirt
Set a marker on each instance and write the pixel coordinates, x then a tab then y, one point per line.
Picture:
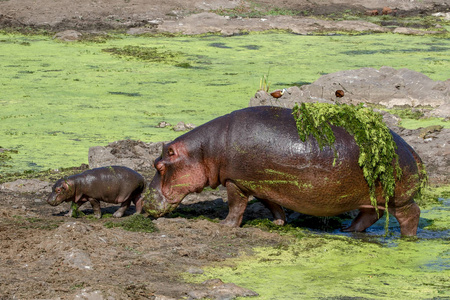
48	256
98	15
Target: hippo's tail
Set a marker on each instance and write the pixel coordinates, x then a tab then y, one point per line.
422	172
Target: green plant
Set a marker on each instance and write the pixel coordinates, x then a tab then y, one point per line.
137	223
377	147
264	84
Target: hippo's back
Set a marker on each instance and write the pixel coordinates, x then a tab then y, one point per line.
266	158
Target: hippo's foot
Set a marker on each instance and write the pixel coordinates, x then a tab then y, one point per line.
229	223
237	202
366	218
408	217
121	211
118	214
279	222
279	216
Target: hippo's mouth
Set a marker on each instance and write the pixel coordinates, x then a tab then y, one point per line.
156	213
156	205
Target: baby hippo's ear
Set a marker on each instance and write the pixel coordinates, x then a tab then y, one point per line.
65	185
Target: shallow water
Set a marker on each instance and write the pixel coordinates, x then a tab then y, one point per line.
58	99
340	265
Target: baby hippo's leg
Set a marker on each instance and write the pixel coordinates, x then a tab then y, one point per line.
123	207
73	211
139	202
96	207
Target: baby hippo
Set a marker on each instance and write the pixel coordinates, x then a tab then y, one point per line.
109	184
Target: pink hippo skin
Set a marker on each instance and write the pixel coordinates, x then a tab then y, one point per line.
257	152
109	184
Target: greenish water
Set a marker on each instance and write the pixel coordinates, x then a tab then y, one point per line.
58	99
336	265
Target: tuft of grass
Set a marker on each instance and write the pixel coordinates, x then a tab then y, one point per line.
135	223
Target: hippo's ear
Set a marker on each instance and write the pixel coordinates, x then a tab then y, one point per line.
65	185
171	151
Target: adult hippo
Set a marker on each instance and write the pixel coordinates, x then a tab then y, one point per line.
257	152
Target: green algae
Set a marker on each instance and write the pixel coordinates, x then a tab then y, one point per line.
375	142
343	265
337	267
423	123
58	99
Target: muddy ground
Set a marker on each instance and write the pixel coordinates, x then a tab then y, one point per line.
176	16
46	255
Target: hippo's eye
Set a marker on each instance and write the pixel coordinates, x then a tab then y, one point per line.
170	152
58	190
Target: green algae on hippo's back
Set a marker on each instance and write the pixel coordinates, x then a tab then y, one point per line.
376	145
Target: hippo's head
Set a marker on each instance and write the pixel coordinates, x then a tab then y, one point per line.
61	191
179	172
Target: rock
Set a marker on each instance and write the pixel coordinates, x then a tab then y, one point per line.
442	111
136	155
89	295
195	270
181	126
445	15
433	148
163	124
68	36
207	22
78	259
78	228
27	186
217	289
291	96
387	86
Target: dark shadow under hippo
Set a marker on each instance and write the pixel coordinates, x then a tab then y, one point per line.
257	152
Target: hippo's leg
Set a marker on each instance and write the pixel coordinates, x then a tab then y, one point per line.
73	209
366	218
279	216
123	207
237	203
139	202
408	217
96	207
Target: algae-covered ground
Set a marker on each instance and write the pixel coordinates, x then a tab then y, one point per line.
58	99
334	265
